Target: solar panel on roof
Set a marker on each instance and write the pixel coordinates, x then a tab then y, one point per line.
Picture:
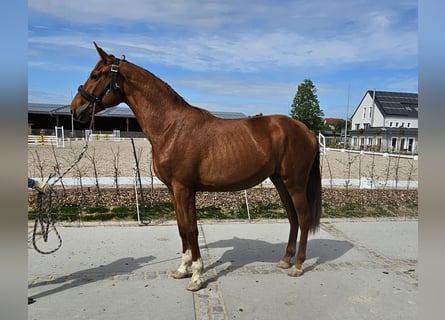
396	103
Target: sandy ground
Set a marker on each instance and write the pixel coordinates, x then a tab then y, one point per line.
105	155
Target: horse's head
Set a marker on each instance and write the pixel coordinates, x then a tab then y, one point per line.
100	91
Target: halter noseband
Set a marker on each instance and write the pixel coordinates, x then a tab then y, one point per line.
113	85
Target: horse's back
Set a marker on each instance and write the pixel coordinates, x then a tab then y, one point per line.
285	130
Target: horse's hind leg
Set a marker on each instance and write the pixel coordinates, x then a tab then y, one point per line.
291	249
301	205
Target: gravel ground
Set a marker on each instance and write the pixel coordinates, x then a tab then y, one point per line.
45	160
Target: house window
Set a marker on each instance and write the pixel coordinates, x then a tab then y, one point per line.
369	141
355	141
397	124
364	112
357	126
410	144
370	112
408	124
390	123
366	125
379	141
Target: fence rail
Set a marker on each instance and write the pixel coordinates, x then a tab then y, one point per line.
42	140
383	154
322	143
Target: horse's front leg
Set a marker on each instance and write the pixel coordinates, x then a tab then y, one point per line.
186	262
184	202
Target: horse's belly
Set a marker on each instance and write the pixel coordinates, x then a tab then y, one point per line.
233	178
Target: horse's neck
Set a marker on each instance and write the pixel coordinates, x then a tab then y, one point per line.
155	104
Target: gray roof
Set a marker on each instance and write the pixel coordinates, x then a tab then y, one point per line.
121	110
228	115
45	108
396	103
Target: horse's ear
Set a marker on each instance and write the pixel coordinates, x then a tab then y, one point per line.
103	55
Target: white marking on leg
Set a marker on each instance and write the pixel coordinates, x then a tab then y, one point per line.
295	272
184	268
197	271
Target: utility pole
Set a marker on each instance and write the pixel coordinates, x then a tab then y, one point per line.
347	115
72	119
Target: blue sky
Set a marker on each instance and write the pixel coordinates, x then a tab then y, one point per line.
230	55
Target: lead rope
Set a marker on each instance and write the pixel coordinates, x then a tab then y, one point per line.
46	219
48	205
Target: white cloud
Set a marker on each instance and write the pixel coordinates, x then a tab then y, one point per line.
240	88
249	52
179	12
223	42
229	35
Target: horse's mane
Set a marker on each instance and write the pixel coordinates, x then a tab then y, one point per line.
162	82
176	95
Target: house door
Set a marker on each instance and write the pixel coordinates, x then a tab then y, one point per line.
402	144
393	144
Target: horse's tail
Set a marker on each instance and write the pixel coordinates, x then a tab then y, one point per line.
313	192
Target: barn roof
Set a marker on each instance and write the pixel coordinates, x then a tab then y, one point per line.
121	110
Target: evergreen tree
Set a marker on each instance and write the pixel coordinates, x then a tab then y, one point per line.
305	106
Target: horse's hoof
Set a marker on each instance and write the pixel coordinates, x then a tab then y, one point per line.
179	275
194	285
283	264
295	272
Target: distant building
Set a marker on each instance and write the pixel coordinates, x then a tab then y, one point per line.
331	122
386	122
43	118
334	131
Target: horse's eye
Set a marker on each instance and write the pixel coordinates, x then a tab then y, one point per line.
94	77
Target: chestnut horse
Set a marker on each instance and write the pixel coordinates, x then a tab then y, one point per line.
196	151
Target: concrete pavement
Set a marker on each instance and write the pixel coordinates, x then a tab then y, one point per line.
354	270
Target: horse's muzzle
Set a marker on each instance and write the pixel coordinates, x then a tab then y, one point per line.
81	114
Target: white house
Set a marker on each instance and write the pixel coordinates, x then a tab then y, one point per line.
386	121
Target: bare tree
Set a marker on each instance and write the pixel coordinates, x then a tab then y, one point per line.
396	170
80	170
388	169
371	172
116	168
150	170
325	157
92	158
349	162
411	170
137	156
359	170
39	163
56	168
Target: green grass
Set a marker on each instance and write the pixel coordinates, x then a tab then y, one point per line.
165	211
98	209
70	209
358	211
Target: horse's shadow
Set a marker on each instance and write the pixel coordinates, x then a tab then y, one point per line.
87	276
243	252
